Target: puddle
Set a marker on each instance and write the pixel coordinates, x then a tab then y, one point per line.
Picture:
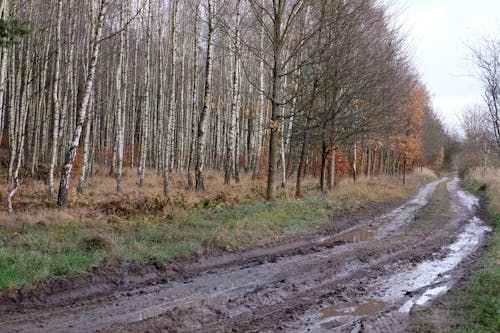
360	308
432	272
357	235
428	296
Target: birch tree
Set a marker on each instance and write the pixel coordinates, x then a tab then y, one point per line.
207	99
232	157
169	144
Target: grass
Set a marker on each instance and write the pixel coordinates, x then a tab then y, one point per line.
438	207
476	306
30	252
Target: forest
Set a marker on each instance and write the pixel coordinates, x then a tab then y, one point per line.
273	89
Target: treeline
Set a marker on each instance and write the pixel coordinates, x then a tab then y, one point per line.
481	123
265	87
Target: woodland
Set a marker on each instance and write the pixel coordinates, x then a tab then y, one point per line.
272	89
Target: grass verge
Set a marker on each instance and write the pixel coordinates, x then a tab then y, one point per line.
437	208
476	306
32	252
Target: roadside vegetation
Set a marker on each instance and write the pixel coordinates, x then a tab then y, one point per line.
53	242
476	306
437	210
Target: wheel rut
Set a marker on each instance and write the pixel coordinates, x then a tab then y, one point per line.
367	277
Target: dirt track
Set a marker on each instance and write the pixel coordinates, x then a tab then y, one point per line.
368	278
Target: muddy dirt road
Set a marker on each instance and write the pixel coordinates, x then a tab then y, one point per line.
365	279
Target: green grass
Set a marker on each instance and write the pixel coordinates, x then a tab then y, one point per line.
476	306
437	208
35	252
31	253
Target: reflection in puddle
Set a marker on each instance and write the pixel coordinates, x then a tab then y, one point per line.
431	272
358	235
363	307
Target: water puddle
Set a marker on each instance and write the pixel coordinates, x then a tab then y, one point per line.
427	296
414	285
359	308
432	272
357	235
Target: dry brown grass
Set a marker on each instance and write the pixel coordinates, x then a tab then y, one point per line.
378	189
101	202
490	177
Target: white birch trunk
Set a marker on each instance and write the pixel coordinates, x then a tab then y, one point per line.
57	101
145	111
194	96
262	110
172	105
231	146
207	101
120	104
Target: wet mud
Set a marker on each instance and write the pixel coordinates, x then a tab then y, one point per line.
366	278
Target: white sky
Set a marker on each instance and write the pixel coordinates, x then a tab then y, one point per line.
438	34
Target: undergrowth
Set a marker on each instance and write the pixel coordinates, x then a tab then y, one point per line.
30	252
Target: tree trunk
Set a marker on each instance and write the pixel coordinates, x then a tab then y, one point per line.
207	101
56	99
262	110
172	105
194	96
303	157
331	170
145	109
231	146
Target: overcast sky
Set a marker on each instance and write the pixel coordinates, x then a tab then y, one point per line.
438	32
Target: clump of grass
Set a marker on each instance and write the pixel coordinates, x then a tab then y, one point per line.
438	207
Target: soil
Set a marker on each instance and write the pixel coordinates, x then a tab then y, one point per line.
366	278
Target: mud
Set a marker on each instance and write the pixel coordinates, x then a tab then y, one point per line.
366	278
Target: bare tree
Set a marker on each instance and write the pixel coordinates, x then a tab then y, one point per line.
487	59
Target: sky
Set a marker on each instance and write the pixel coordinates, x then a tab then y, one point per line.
438	35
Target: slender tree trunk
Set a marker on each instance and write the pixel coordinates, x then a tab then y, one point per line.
355	162
331	170
231	146
262	110
194	96
145	109
56	99
172	105
324	156
303	157
3	69
369	163
207	101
